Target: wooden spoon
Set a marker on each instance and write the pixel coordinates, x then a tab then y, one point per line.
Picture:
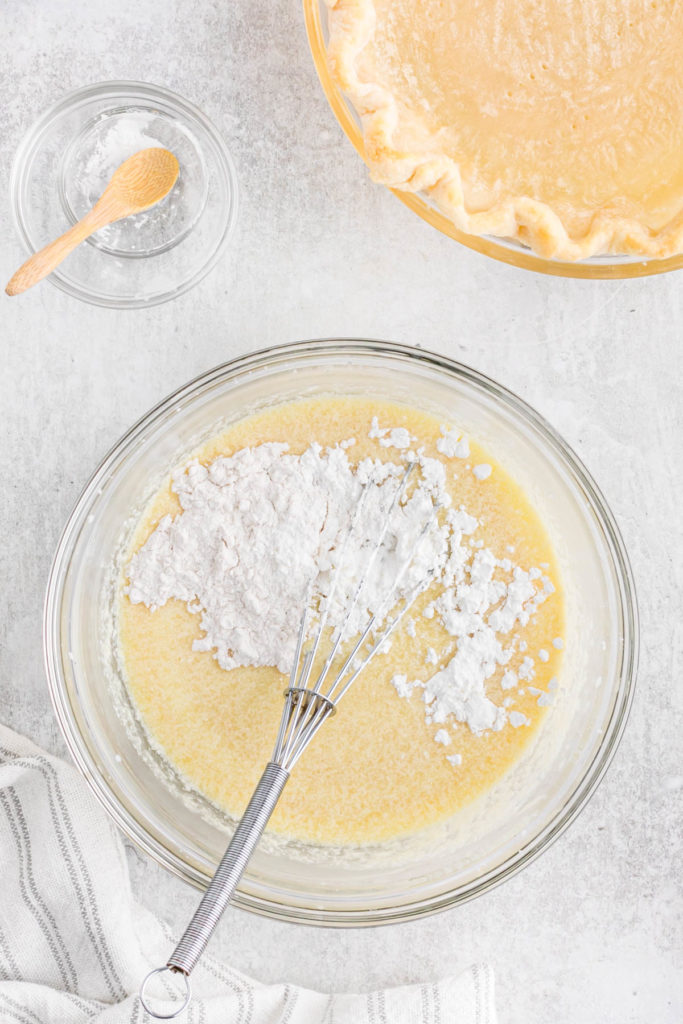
140	182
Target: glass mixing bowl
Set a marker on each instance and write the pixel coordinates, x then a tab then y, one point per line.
486	842
503	249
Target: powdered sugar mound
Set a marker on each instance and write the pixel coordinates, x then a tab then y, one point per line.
482	601
433	474
402	686
453	444
255	528
399	437
526	669
508	681
458	689
517	719
376	432
260	526
517	607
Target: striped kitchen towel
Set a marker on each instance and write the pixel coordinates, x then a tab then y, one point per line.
74	944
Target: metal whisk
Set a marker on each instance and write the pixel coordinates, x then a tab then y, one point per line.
307	705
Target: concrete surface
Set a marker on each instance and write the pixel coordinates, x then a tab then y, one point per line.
591	932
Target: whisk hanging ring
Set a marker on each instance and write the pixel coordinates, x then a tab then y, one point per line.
187	995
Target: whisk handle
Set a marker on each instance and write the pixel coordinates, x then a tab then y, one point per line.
230	870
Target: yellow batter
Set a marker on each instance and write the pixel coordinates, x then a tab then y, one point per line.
374	771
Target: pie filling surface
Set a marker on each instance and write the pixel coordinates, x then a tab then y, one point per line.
559	124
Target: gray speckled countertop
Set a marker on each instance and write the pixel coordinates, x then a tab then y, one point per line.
591	932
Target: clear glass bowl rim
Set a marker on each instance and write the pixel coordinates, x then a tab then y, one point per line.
342	347
146	90
513	253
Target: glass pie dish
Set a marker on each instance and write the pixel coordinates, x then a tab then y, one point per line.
506	250
490	839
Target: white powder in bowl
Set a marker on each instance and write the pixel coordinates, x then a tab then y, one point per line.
261	527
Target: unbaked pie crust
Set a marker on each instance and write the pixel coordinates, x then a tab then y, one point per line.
556	124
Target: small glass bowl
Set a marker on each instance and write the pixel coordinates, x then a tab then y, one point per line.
506	250
66	160
439	867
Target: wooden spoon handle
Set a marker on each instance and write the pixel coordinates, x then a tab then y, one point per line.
44	262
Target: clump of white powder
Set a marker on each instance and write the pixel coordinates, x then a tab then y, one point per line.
262	529
397	437
120	141
453	444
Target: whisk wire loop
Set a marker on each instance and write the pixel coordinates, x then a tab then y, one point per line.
327	603
341	629
407	562
301	720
